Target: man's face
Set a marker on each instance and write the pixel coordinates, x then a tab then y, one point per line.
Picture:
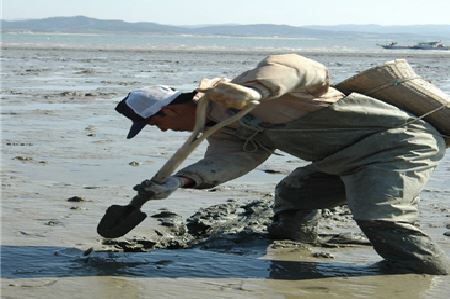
178	118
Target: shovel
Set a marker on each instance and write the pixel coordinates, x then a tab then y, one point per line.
119	220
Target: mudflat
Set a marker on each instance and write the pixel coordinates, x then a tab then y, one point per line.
65	159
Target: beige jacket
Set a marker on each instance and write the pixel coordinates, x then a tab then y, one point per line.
291	86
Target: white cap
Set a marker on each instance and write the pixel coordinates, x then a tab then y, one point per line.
142	103
151	99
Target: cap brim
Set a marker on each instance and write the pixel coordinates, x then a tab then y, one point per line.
135	129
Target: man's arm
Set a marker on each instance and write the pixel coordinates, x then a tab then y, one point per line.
224	160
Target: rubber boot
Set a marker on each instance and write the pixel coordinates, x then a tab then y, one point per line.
296	225
405	248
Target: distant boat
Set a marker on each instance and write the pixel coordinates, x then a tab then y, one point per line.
418	46
430	46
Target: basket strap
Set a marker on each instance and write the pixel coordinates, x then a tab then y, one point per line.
392	83
420	117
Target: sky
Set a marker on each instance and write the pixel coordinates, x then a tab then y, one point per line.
200	12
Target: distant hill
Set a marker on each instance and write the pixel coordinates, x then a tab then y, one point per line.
441	30
85	24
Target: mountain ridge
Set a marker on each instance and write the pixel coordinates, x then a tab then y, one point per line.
87	24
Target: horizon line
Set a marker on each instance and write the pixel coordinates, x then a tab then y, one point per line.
220	24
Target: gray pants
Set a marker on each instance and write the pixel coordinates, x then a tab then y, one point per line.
380	177
402	243
306	189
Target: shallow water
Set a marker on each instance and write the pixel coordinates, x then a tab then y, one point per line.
52	272
57	110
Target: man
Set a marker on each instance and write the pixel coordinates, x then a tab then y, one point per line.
363	152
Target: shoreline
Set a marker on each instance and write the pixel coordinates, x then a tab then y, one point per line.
234	51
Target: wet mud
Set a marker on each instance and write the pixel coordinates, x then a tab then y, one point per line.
233	227
65	159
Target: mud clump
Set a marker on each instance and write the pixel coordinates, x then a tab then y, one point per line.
23	158
219	226
208	219
173	223
272	171
322	254
231	227
75	199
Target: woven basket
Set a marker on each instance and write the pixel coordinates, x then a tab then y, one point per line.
397	84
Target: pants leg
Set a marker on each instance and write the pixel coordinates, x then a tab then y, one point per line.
405	247
384	199
297	198
308	189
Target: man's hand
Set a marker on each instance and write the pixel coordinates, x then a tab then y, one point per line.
157	191
232	95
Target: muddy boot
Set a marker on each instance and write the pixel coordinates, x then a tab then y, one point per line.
300	226
405	248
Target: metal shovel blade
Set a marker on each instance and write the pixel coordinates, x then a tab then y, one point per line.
119	220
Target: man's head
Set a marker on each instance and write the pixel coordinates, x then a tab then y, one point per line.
158	105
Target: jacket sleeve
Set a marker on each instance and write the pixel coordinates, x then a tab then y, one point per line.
277	75
224	160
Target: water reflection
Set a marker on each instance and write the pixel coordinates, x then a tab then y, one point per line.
43	261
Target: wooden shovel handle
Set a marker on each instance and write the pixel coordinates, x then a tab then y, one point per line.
197	136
